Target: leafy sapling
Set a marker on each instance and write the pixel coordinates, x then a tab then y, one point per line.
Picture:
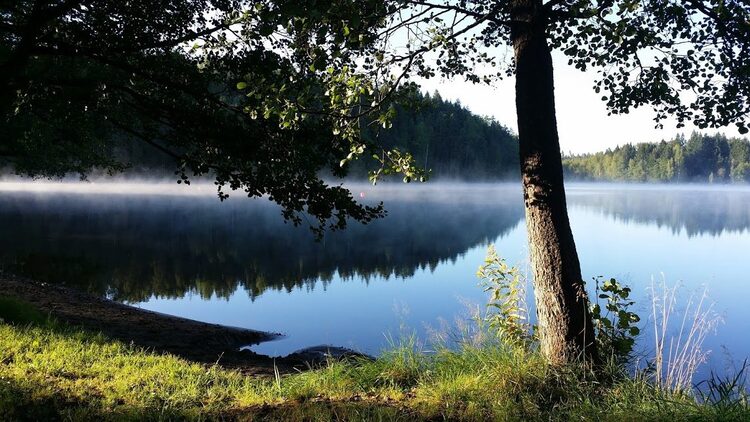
506	310
614	323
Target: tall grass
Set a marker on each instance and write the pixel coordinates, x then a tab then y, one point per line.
678	355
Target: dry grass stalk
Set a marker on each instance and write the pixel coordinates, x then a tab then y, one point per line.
679	354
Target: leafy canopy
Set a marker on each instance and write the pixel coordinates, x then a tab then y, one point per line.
258	95
687	59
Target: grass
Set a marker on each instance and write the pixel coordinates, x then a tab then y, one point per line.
49	371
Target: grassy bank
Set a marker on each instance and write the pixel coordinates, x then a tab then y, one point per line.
49	371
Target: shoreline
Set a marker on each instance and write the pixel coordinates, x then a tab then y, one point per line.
192	340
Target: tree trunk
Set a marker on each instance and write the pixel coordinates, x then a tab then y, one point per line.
564	322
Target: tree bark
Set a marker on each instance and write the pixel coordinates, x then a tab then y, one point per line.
564	323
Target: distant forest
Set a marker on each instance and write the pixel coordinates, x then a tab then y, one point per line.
453	143
449	140
442	136
700	158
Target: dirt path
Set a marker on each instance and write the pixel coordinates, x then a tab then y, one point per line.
192	340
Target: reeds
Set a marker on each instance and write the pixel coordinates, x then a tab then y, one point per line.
678	355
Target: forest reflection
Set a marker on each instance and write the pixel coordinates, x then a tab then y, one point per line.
132	247
697	210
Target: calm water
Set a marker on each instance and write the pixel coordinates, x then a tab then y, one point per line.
182	252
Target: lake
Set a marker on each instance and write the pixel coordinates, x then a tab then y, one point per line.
179	250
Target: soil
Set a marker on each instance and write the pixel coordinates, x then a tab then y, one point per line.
193	340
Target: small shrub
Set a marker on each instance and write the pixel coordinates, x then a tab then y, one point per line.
614	325
507	311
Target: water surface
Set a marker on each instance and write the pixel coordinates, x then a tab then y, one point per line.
182	252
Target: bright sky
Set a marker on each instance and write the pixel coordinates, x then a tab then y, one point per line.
582	118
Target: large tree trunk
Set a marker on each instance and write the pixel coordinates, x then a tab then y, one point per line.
565	328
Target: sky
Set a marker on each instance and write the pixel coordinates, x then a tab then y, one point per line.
582	118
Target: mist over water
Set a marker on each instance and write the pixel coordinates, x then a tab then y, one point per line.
179	250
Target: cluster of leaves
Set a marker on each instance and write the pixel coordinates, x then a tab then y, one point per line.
395	161
507	310
652	52
615	324
647	52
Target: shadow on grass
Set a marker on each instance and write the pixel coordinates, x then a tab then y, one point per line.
21	404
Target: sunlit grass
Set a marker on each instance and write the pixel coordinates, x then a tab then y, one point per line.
48	371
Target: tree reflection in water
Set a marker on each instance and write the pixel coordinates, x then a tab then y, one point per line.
130	247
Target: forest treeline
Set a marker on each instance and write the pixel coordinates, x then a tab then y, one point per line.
699	158
443	136
448	140
453	143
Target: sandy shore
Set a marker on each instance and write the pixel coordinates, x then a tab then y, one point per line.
192	340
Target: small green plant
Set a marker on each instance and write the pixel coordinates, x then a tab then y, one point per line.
507	311
615	325
16	311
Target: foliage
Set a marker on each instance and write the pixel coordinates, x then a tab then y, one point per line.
260	96
439	136
448	140
648	52
728	394
507	313
615	325
645	52
700	158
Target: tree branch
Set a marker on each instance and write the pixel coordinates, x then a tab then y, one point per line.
449	7
147	140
